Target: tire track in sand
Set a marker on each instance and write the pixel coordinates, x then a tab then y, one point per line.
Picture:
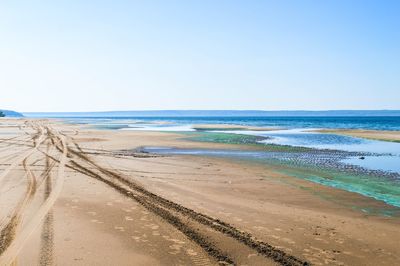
177	215
23	156
8	256
193	224
6	228
11	226
9	231
47	235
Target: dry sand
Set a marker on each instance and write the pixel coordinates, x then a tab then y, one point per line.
69	196
385	135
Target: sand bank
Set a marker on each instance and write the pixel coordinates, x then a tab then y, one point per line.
384	135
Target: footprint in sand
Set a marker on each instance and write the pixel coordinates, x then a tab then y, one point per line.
261	228
332	234
144	218
288	250
176	249
136	238
339	240
143	238
154	226
119	228
321	256
177	241
275	237
314	261
322	240
288	240
191	252
128	218
252	255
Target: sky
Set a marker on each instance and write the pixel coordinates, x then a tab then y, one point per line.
155	55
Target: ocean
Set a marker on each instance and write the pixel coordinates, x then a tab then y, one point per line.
346	122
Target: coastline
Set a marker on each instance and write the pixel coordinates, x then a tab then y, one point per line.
312	222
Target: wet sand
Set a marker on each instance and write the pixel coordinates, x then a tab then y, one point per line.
384	135
77	196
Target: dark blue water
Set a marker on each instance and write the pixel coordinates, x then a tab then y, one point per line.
360	122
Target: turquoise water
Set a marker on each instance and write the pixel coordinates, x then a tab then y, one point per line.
380	155
382	188
385	190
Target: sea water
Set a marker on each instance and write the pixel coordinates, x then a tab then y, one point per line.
356	122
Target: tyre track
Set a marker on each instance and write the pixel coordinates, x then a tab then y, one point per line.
9	253
166	209
22	157
47	235
205	231
9	224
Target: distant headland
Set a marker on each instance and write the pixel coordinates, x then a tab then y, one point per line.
9	113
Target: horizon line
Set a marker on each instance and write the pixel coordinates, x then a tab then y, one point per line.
221	110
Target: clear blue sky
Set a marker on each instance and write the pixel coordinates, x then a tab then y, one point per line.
140	55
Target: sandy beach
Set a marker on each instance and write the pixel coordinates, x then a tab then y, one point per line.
384	135
73	195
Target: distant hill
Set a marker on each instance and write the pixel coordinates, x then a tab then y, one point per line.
217	113
9	113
